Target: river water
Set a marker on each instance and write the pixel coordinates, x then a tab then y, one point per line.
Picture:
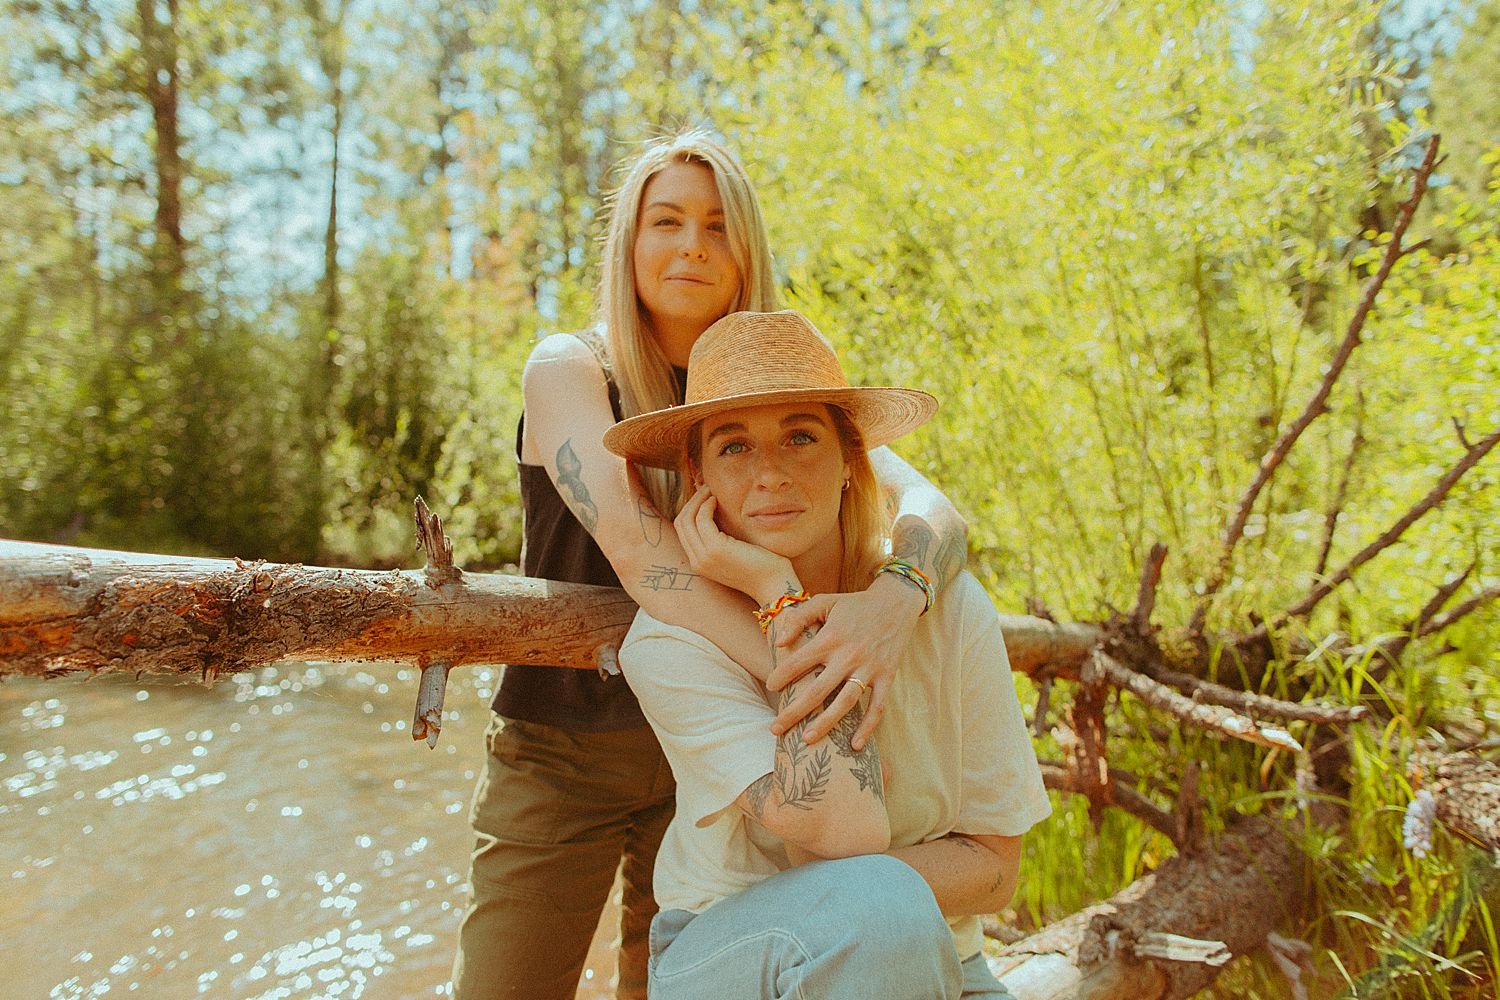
275	835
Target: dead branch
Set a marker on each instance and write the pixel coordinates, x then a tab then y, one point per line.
1393	649
1387	538
1441	621
1061	778
1214	718
1145	601
440	570
1341	493
65	609
1249	702
1318	404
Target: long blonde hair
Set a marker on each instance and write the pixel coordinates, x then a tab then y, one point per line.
642	372
864	524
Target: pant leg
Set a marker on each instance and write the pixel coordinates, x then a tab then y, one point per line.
980	983
638	903
831	930
551	817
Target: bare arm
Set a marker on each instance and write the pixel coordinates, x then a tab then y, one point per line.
567	413
968	873
865	632
825	800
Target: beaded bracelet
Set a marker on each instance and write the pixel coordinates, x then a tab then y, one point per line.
913	576
764	616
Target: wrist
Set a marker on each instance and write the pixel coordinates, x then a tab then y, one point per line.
899	593
777	580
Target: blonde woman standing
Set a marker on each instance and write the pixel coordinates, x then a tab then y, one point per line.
576	786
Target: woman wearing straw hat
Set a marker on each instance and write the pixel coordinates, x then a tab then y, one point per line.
575	786
777	440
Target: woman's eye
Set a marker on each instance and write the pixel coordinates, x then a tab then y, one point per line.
732	448
665	221
718	227
803	437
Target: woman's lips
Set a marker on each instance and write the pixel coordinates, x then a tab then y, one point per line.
776	518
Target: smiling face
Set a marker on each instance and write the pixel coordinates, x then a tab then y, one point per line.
685	274
778	474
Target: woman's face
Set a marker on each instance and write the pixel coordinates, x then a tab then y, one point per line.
685	275
778	474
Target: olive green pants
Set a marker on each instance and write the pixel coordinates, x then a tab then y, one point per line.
555	815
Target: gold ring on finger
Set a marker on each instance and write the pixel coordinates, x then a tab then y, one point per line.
863	687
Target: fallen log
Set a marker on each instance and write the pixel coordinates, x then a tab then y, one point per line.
67	610
1167	934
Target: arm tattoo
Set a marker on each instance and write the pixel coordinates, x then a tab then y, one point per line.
650	522
757	793
913	543
950	559
660	578
863	764
570	477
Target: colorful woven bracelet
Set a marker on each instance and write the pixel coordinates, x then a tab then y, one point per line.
915	577
764	616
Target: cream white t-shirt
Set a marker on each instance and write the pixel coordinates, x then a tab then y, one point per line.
959	754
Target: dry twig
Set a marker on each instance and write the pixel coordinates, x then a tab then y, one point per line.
1387	538
1318	404
1249	702
1214	718
1145	601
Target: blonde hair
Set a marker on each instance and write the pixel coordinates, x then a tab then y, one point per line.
642	372
864	523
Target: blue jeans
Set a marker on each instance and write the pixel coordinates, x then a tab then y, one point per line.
831	930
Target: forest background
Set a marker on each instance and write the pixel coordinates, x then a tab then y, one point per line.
271	270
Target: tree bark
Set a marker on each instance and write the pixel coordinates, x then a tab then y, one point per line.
1232	894
66	609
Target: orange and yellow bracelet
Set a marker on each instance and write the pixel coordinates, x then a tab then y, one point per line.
764	616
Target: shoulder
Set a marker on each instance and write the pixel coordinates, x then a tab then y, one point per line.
964	618
561	348
562	363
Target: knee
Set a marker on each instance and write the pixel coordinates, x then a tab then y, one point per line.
893	904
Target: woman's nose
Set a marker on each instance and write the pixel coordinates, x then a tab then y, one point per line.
694	245
769	472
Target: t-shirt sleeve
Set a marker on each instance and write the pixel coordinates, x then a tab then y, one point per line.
711	717
1003	792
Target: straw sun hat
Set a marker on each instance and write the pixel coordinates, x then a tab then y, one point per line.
765	359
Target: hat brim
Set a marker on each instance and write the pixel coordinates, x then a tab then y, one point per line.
882	414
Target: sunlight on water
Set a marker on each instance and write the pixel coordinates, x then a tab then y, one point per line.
276	835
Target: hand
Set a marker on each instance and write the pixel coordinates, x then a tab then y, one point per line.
863	635
750	569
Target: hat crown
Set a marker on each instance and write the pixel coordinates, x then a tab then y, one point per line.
750	352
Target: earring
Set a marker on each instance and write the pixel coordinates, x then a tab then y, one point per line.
846	486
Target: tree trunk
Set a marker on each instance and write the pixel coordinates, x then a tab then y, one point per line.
159	50
66	609
1231	895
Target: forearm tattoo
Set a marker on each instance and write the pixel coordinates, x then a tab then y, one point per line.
863	764
660	578
570	478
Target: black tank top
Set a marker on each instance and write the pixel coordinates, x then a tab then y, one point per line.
556	547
